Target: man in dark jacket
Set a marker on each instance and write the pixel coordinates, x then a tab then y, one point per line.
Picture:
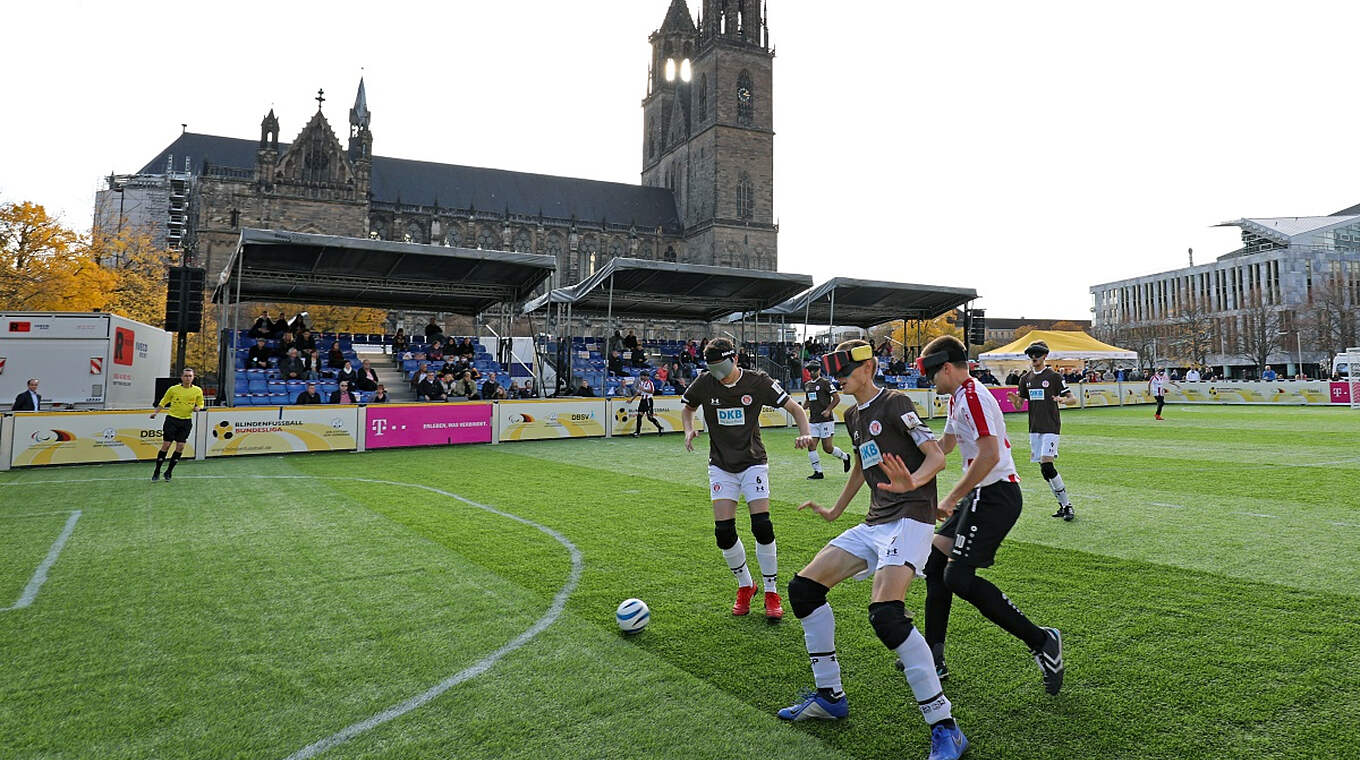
309	396
291	366
29	400
343	395
258	357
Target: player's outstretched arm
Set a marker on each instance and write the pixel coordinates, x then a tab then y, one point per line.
902	480
1016	401
687	419
947	443
852	486
804	439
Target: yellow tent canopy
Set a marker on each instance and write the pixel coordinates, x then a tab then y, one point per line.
1063	345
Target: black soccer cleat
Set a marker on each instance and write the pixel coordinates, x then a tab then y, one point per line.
846	462
816	476
167	477
1062	512
1050	660
1069	514
155	476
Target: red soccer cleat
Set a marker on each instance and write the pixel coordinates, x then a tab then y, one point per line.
774	610
743	604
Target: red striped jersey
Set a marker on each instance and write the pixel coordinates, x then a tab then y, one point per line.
973	413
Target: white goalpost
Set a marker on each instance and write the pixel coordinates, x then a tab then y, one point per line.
1352	360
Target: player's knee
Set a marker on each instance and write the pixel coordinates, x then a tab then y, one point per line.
826	445
1049	471
762	528
890	622
805	595
935	565
958	578
726	533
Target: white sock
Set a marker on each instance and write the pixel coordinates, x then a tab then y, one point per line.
837	453
1059	490
769	565
816	460
736	560
925	684
819	634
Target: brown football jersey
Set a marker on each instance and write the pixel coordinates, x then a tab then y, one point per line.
732	416
1041	389
889	425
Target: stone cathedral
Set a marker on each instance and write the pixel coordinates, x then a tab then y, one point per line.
706	195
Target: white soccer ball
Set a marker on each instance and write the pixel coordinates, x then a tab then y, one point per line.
633	615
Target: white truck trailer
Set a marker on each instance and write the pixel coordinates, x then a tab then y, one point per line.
82	361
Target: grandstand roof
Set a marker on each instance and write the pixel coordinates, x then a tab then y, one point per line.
295	267
865	303
670	290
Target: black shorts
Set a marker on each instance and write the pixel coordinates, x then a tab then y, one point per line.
982	522
645	406
176	430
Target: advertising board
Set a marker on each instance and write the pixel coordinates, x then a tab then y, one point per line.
394	425
83	437
281	430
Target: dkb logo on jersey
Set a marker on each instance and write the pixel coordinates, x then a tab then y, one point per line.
732	417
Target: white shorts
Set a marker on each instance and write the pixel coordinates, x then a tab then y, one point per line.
753	483
901	542
823	429
1043	445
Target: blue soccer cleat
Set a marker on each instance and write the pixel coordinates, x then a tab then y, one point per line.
947	742
812	705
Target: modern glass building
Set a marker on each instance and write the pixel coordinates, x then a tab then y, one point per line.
1288	297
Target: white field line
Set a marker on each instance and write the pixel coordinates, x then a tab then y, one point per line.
40	575
1257	514
35	514
1165	504
555	610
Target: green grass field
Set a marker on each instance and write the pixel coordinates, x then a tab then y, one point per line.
1208	592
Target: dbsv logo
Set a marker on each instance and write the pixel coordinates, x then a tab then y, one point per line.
731	417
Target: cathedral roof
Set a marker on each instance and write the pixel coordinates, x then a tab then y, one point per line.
459	187
678	18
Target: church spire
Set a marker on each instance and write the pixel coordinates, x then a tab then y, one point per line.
678	19
358	115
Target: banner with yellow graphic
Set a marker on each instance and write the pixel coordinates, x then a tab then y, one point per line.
772	417
281	430
48	438
666	409
549	418
1097	394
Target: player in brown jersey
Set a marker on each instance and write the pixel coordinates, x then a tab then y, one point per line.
737	467
1045	391
897	454
821	400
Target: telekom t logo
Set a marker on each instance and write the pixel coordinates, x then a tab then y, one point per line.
379	426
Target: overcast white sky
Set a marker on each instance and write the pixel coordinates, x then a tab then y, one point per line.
1028	150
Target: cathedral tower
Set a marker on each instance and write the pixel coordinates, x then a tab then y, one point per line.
709	130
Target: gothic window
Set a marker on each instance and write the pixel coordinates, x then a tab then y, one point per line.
703	98
487	239
380	230
414	234
670	253
644	249
554	246
744	98
316	162
587	250
454	237
746	197
524	243
615	248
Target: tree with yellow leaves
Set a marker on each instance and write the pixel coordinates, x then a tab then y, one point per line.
138	265
45	266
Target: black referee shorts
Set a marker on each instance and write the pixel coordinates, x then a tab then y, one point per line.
176	430
979	526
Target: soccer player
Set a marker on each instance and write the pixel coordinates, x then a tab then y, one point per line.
180	401
1045	391
731	399
821	400
897	454
969	538
1157	387
646	389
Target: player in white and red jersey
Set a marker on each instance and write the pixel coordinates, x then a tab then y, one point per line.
646	389
969	538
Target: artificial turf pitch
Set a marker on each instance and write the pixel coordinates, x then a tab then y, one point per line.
1208	593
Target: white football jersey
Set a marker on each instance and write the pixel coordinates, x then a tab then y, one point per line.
973	413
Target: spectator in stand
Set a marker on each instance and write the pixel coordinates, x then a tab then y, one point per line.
466	387
263	327
679	384
1269	375
379	396
615	342
430	389
309	396
615	363
584	390
630	342
286	343
258	357
639	358
1175	375
291	366
342	395
492	390
335	358
662	375
528	390
313	364
419	375
1012	378
28	400
368	377
305	341
436	352
347	374
399	342
1192	375
467	350
433	331
298	324
279	327
448	385
473	373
